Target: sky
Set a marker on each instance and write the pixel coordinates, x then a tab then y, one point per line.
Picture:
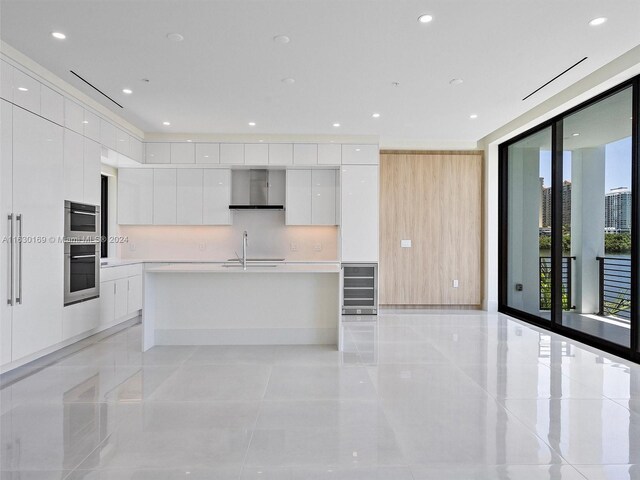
617	165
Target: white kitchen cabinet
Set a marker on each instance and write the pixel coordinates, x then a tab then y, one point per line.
134	294
107	302
298	197
360	154
329	154
136	150
6	81
216	197
91	124
73	116
51	105
135	196
92	175
108	135
189	196
305	154
323	197
80	318
359	217
122	142
121	297
38	198
256	154
6	207
232	153
26	91
183	153
280	154
158	153
73	177
164	196
207	153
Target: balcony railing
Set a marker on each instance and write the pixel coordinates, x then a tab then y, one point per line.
545	282
615	287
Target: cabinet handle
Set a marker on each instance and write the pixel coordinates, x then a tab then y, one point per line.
11	240
128	285
19	221
114	288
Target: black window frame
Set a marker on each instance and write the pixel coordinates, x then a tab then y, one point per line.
555	324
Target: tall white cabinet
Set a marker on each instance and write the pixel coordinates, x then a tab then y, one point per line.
311	197
36	201
359	220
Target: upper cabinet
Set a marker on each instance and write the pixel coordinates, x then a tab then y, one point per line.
216	196
73	116
26	91
164	196
51	105
232	153
329	154
189	196
305	154
256	154
6	81
280	154
135	196
311	197
158	153
108	135
360	154
91	126
183	153
122	142
207	153
136	150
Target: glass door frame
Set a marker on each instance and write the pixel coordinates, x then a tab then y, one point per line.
555	323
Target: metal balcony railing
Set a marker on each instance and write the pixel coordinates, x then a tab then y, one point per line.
545	282
615	287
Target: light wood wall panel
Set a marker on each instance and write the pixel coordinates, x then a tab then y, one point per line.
433	199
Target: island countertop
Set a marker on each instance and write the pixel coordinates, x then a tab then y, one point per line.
253	268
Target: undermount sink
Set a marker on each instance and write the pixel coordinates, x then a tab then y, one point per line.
253	260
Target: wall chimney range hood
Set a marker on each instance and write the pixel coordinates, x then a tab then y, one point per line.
257	189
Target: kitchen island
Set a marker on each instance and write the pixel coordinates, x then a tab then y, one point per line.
222	304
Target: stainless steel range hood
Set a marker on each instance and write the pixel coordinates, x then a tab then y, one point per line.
257	189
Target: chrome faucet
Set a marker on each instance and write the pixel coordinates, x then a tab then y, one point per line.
244	250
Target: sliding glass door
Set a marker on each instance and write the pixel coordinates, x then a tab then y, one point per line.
567	216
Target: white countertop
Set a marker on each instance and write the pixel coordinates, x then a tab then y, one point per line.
220	268
118	262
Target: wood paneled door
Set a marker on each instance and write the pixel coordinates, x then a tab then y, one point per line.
434	201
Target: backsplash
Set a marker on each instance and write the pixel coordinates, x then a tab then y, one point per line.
269	237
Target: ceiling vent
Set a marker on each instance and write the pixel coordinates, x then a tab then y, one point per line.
555	78
96	89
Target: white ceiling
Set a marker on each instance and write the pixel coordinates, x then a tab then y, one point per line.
343	54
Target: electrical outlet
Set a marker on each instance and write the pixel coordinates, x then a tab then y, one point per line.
202	246
456	284
293	246
317	247
405	243
132	247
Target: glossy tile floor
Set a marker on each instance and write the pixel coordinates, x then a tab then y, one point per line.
439	396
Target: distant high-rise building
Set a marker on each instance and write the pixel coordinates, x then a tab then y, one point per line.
566	203
617	208
546	207
545	210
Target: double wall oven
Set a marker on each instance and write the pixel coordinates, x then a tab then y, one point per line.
81	252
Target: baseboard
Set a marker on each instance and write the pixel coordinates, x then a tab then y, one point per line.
248	336
13	372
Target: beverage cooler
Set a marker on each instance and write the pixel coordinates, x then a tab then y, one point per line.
359	289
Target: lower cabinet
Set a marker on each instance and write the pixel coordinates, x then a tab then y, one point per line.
120	293
80	318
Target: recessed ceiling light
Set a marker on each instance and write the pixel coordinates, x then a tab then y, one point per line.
189	141
597	21
58	35
376	115
261	141
127	91
473	116
455	81
166	124
336	124
85	121
288	80
281	39
395	84
23	89
425	18
575	135
175	37
252	124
